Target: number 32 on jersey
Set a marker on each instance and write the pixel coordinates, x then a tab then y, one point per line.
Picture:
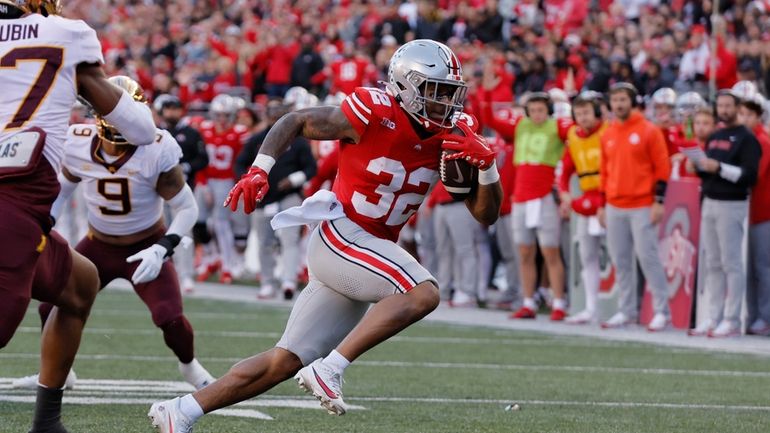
393	202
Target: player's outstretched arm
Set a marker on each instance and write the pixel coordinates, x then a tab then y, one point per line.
133	119
317	123
485	200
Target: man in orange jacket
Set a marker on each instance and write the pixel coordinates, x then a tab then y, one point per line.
634	171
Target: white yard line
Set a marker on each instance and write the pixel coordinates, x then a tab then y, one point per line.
446	365
628	404
120	389
243	413
560	341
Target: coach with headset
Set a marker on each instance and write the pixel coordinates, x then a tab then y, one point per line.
583	158
634	173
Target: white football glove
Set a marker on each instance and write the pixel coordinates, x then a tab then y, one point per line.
152	260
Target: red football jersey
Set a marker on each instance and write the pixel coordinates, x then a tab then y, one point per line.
347	74
222	148
674	135
384	178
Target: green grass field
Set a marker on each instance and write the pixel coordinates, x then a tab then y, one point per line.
432	378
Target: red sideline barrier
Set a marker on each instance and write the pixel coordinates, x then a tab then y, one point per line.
678	243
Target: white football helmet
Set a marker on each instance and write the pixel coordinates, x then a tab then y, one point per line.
224	105
688	103
294	94
334	99
744	89
239	103
562	110
558	95
417	70
664	96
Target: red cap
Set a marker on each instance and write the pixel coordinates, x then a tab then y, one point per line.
588	203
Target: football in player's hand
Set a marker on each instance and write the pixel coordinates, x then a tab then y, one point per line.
458	176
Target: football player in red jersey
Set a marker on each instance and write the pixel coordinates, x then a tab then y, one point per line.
34	112
350	71
224	140
664	116
391	142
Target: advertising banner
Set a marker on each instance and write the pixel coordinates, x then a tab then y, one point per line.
678	242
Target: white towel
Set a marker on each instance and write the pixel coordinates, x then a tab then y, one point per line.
532	213
320	206
594	227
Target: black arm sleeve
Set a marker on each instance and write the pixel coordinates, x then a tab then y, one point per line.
201	158
247	155
660	191
306	160
751	153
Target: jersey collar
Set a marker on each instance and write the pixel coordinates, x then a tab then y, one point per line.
114	166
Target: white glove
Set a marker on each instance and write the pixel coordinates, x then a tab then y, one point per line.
152	260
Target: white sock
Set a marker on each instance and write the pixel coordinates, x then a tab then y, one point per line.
559	304
337	362
190	407
530	303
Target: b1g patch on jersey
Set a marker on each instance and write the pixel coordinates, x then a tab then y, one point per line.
20	153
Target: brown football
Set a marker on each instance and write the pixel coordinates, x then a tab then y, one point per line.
458	176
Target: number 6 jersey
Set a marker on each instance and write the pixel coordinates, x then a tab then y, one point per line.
38	60
384	178
120	192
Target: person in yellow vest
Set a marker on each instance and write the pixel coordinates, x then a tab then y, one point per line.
583	158
538	147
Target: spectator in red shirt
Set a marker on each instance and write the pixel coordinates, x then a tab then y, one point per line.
727	63
279	58
758	287
350	71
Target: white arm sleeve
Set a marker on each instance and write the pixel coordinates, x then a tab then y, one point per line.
185	212
133	119
67	188
730	172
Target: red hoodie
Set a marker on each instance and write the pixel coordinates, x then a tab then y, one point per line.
760	195
727	67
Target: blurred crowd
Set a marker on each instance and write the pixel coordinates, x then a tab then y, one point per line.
229	69
199	48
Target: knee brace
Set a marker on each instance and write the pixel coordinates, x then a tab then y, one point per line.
201	233
241	241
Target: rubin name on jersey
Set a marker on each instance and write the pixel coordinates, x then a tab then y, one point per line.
16	32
